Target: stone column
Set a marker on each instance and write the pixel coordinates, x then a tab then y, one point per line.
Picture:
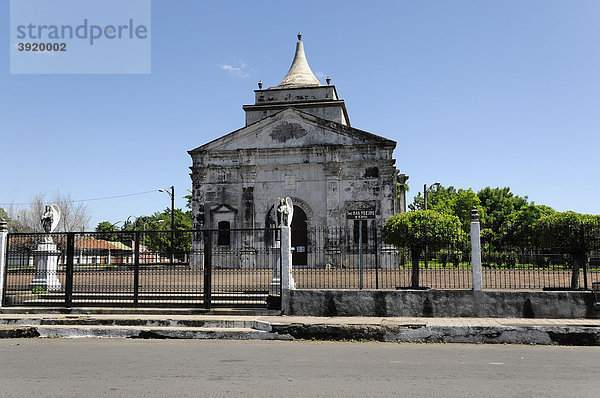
249	249
3	249
332	246
198	217
476	250
287	279
389	205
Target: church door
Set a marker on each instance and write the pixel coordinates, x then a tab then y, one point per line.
299	237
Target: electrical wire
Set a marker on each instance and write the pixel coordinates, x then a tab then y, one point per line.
86	200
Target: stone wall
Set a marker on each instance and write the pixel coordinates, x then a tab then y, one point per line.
443	303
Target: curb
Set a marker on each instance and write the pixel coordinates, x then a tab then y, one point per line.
576	336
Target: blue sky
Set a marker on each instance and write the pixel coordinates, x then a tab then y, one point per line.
476	94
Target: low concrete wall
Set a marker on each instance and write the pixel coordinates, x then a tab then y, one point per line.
443	303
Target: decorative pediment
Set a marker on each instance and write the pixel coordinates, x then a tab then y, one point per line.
292	128
223	208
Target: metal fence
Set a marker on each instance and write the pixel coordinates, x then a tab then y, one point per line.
241	268
513	268
205	268
336	260
333	261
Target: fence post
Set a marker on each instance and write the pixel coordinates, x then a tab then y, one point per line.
375	237
287	279
3	249
136	269
69	269
476	250
207	268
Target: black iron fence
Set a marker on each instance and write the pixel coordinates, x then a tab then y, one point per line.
337	260
228	267
517	268
140	269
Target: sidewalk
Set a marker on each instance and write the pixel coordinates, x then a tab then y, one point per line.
436	330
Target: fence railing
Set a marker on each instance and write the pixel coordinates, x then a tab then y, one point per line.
513	268
140	268
335	260
241	267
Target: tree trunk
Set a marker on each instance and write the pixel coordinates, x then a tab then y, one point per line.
578	262
415	255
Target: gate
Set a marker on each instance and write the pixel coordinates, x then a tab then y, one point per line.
201	269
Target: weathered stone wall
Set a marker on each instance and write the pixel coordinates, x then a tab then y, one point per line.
443	303
305	174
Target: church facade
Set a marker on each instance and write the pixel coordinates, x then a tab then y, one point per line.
297	142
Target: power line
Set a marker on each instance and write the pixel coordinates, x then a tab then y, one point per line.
86	200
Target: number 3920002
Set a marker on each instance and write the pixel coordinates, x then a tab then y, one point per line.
42	46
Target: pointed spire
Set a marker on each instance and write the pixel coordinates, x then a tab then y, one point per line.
299	74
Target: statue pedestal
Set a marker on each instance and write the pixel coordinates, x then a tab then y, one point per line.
46	257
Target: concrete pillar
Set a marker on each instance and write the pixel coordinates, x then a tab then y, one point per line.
332	246
200	214
476	250
3	249
287	279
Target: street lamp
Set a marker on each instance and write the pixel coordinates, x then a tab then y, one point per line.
133	223
425	190
172	195
115	224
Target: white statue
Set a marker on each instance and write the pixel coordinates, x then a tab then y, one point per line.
50	218
285	212
47	254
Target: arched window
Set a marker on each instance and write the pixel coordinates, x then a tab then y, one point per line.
224	237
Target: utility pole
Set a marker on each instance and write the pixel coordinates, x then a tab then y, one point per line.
172	194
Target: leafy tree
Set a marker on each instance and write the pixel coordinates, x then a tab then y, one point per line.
573	233
159	223
417	230
107	231
498	204
450	201
518	229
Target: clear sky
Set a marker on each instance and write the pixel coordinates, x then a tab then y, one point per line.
476	93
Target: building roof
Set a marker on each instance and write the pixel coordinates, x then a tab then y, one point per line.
91	243
299	74
260	135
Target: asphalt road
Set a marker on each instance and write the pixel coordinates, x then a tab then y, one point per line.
192	368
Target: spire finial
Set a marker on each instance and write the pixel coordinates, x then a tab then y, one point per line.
299	74
260	84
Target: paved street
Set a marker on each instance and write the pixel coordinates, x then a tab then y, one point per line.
159	368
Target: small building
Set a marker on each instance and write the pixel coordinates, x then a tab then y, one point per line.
297	142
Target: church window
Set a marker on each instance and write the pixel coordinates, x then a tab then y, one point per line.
224	237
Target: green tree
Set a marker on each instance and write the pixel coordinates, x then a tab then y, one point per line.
159	225
518	229
498	204
107	231
451	201
573	233
417	230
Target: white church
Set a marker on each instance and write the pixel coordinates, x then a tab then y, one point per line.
297	142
